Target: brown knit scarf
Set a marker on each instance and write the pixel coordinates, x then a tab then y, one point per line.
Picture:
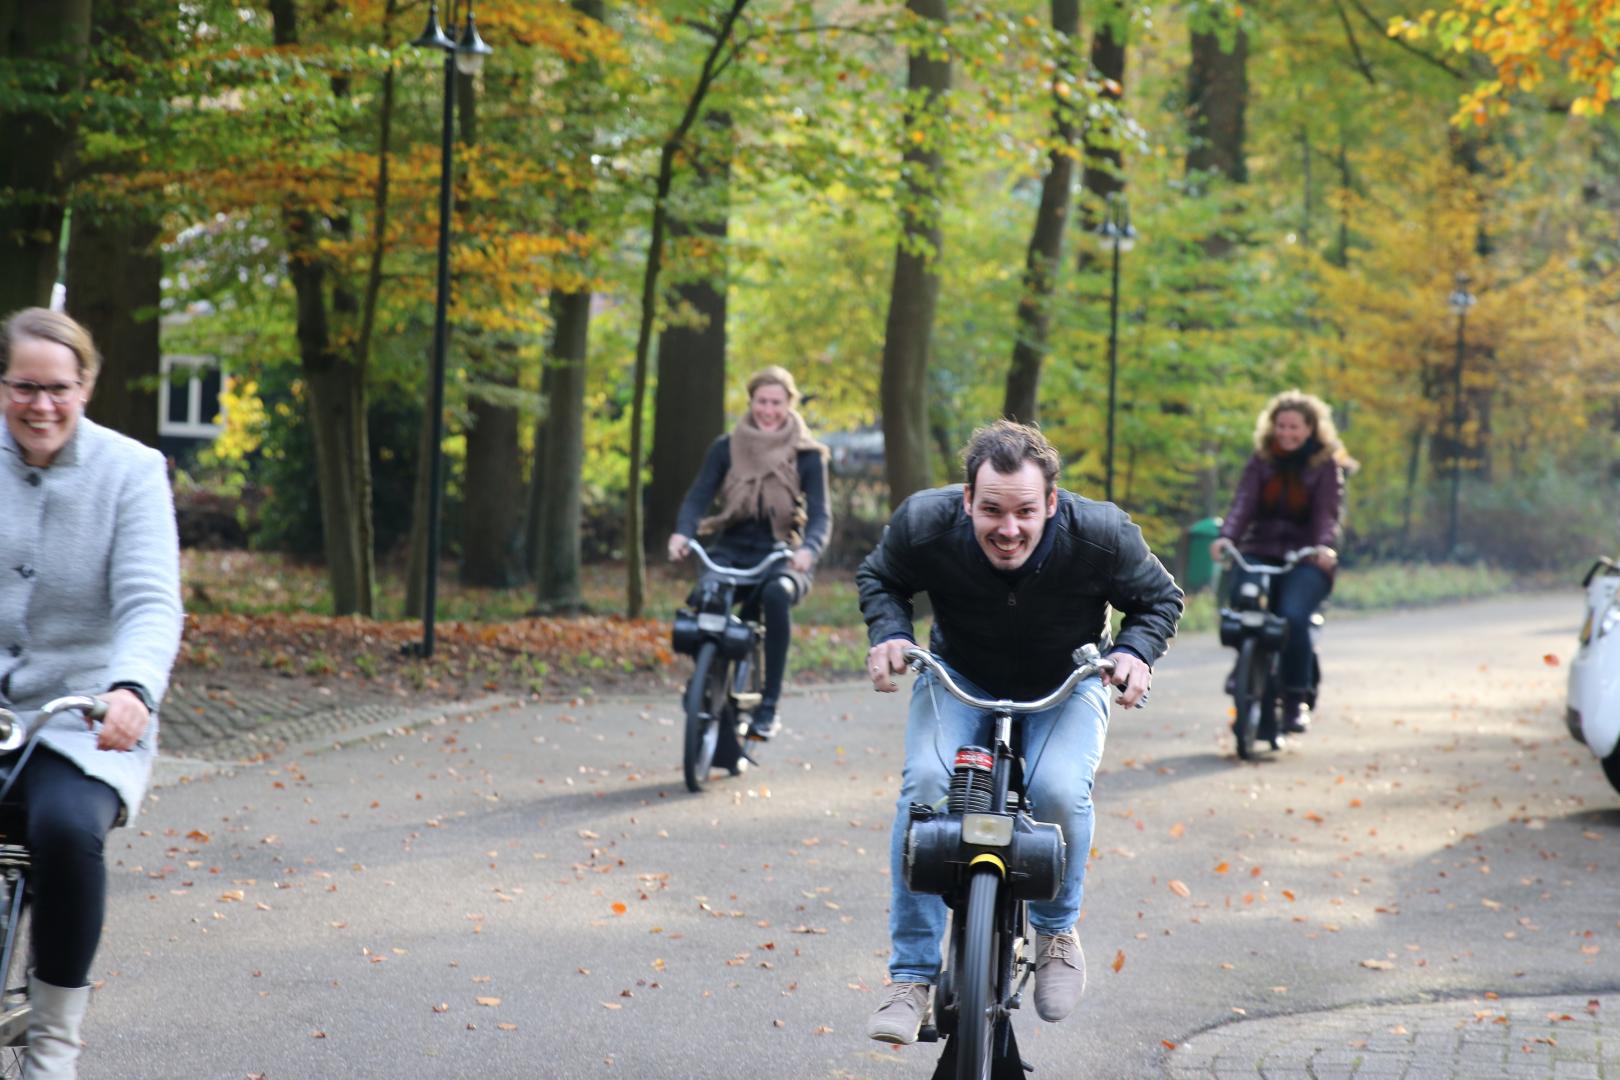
763	481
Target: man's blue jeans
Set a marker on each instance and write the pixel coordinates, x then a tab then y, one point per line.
1062	749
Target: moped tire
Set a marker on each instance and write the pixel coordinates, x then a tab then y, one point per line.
1250	699
705	703
976	982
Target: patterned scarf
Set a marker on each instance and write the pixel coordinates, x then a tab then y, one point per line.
1284	495
763	481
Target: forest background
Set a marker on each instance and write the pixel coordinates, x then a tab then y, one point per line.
909	206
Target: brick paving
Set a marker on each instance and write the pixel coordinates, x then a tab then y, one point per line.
219	723
1574	1036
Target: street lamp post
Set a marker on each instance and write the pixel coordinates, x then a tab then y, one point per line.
1116	234
466	55
1459	302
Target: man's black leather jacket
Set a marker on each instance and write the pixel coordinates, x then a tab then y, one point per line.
1015	641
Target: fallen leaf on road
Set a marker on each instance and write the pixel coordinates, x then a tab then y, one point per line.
443	1006
1119	961
487	1000
1180	888
1377	965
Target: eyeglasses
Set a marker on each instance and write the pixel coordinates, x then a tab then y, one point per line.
24	391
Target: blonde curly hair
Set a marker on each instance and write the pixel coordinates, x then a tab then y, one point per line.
1318	417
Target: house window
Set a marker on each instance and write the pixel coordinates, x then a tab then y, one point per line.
188	400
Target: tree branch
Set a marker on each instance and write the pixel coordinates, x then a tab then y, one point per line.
1407	45
1355	46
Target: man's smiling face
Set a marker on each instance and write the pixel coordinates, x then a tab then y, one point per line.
1009	512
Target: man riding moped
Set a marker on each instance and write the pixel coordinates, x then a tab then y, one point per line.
1019	573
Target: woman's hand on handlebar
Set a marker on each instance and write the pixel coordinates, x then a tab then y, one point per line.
886	660
1217	548
125	722
1131	675
679	546
802	560
1325	558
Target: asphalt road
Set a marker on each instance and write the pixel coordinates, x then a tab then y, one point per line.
532	893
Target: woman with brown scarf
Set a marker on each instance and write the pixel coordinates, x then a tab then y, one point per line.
1291	496
771	476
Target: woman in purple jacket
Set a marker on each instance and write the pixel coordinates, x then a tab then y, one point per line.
1292	496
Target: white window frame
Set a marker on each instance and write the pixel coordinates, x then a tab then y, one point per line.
194	426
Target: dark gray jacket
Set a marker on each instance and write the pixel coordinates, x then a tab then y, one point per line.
1015	640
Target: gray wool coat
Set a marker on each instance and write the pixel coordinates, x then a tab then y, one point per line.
89	589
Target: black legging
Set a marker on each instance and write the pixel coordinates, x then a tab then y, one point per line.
775	600
69	816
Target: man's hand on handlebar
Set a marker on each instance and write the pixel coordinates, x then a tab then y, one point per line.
1325	558
679	546
802	560
1132	677
886	660
125	722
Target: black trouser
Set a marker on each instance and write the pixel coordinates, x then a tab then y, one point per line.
68	817
774	599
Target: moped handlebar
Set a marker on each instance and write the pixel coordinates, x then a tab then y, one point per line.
1087	660
1290	560
14	731
737	575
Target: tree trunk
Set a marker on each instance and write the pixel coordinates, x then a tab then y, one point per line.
689	410
559	458
34	170
114	287
1104	176
552	527
492	476
635	555
492	512
1218	101
114	265
914	293
1045	254
334	384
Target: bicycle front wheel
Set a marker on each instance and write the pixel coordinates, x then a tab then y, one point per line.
14	1008
1249	696
705	705
976	978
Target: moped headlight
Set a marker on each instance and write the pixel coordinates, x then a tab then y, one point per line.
1611	618
987	830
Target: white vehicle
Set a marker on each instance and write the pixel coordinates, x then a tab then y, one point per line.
1593	710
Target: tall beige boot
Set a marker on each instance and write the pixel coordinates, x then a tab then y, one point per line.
53	1030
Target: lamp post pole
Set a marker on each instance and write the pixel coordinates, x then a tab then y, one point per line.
468	55
1118	235
1459	302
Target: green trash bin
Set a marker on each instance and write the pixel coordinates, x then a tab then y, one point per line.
1200	567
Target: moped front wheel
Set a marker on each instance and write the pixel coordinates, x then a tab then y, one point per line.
705	705
1249	696
977	1006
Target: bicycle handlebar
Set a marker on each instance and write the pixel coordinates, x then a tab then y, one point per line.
738	575
1088	663
1288	563
14	731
